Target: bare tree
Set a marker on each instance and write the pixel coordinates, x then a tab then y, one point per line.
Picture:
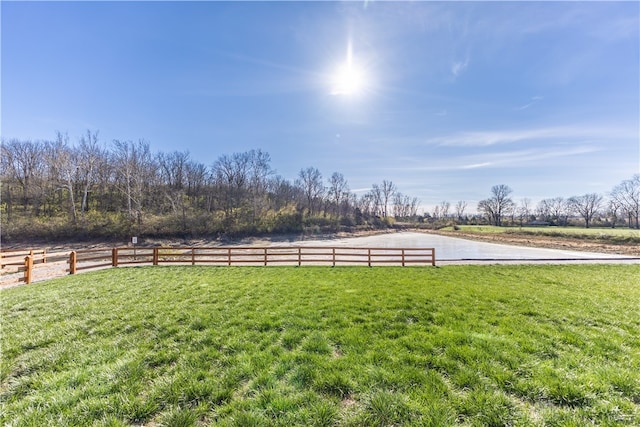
172	168
196	180
282	193
461	205
310	182
173	172
136	172
63	166
627	194
231	176
376	200
587	206
497	205
524	210
399	205
404	206
7	177
613	208
90	155
23	161
338	191
436	212
556	210
260	171
444	209
388	189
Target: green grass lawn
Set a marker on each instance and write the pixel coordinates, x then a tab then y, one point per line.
349	346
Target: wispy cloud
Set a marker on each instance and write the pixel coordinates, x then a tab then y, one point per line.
533	100
487	138
459	66
526	157
508	159
476	165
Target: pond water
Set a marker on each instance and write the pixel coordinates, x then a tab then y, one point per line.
461	250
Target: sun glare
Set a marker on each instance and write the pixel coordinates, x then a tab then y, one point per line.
348	79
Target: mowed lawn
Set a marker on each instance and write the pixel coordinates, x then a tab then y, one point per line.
349	346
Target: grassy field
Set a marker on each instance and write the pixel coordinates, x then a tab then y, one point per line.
243	346
614	233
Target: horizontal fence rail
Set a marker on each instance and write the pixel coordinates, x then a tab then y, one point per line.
13	257
268	255
27	263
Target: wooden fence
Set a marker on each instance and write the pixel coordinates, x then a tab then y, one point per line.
12	257
87	259
22	261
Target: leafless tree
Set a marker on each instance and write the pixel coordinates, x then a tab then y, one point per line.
627	194
23	161
444	209
231	175
404	206
310	182
388	189
136	172
366	204
376	200
282	193
90	156
461	205
555	210
259	173
613	208
497	205
196	176
399	205
63	167
338	191
524	210
586	206
173	172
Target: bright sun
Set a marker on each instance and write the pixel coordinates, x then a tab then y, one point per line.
349	79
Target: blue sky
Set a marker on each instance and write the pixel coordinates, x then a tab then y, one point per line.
454	97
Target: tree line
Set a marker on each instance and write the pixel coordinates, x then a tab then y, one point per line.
620	207
61	189
58	188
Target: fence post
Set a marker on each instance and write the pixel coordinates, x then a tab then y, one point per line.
403	257
28	269
433	257
299	256
73	257
44	256
193	256
265	256
369	257
333	257
155	256
228	256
